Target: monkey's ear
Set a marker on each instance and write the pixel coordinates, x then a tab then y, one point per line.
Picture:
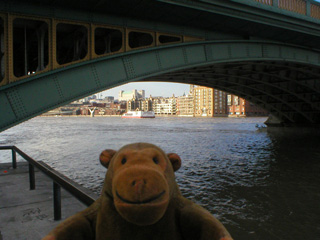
106	156
175	160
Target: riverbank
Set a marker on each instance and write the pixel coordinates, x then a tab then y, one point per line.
164	115
79	115
28	214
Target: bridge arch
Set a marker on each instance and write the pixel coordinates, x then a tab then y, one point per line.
283	79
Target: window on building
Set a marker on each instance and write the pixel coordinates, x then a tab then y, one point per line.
229	101
236	100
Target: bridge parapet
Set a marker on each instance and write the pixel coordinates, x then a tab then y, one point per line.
32	45
308	8
303	7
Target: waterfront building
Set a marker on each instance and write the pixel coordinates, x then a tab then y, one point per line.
115	108
209	102
185	105
220	103
98	104
139	104
239	107
164	106
129	95
146	105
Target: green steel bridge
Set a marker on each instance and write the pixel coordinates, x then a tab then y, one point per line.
56	51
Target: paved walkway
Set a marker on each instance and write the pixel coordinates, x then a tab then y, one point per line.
28	214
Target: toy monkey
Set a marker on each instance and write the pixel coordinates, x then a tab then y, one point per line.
140	200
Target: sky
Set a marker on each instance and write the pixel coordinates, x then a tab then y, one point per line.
151	88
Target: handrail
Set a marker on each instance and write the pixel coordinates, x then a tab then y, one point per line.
304	7
59	180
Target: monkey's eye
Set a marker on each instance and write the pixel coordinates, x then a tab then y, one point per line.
124	160
155	160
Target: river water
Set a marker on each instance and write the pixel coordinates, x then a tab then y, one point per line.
260	184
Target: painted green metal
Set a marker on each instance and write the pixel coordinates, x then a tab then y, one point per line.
83	13
30	97
209	19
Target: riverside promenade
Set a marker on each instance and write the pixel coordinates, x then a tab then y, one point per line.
28	214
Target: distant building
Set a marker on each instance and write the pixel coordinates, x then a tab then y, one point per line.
239	107
209	102
185	104
164	106
146	105
139	104
122	105
108	99
97	104
220	103
115	109
86	99
129	95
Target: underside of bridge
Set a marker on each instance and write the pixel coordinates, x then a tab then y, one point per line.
53	52
289	91
283	79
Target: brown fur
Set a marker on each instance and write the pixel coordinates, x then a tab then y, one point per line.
141	200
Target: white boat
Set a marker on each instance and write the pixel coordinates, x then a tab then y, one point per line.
138	114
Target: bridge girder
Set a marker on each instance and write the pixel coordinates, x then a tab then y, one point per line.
282	78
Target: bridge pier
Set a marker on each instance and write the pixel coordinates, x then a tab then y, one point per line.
275	124
273	121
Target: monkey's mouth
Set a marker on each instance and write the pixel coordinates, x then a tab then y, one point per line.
149	200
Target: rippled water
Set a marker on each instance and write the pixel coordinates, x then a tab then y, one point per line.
261	185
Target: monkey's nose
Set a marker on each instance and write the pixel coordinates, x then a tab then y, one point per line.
139	185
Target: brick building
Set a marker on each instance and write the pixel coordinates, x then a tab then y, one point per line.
239	107
209	102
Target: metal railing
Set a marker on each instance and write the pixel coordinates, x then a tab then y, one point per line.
82	194
304	7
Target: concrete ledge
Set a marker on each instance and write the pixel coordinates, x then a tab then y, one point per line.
28	214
